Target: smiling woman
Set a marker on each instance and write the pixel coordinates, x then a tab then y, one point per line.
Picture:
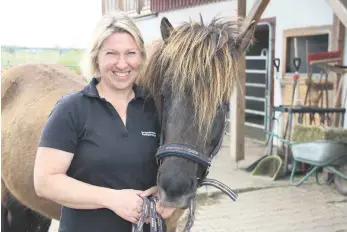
106	32
93	158
97	150
119	61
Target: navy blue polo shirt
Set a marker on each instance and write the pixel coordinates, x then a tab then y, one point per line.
106	152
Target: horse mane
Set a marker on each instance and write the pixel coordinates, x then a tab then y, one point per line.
199	60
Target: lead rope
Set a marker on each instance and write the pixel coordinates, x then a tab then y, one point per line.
157	223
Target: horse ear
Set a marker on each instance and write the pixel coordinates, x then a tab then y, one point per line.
165	28
245	38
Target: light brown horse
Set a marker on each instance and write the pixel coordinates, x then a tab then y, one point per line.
28	94
193	70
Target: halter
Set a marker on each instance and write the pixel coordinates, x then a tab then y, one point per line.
187	151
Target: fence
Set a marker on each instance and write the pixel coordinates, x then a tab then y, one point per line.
131	5
11	56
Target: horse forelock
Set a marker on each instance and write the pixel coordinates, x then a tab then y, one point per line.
198	59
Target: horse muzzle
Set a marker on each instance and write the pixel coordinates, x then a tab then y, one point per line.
183	202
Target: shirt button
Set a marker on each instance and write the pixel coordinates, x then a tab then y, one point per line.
125	134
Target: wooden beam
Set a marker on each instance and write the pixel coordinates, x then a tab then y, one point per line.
241	8
139	6
103	7
257	10
237	103
338	43
339	9
338	35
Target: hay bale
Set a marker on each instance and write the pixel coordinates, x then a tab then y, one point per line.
336	134
307	133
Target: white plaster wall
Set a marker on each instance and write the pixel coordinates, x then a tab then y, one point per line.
150	27
294	14
289	14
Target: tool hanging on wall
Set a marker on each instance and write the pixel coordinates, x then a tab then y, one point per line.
315	90
278	93
317	93
295	92
278	88
296	88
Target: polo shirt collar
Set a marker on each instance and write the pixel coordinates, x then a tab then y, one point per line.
91	90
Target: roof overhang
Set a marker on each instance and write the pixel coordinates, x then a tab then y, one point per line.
339	8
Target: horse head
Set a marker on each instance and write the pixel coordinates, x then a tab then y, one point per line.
190	76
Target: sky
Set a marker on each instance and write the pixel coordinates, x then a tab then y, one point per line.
48	23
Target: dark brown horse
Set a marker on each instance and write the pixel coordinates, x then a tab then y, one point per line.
190	75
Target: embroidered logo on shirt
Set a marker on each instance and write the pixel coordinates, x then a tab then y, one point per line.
148	133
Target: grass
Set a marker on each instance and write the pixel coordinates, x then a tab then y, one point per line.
19	55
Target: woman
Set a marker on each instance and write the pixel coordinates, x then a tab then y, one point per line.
95	155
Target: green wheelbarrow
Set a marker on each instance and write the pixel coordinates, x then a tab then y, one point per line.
331	155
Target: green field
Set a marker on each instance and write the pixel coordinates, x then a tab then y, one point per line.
19	55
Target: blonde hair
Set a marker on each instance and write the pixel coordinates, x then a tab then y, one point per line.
110	23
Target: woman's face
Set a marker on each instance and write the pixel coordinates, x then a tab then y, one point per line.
119	61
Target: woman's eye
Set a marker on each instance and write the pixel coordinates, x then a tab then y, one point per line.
110	53
132	53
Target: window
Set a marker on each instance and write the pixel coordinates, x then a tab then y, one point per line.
305	45
133	8
300	42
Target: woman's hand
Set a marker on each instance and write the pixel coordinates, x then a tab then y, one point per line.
125	203
163	211
153	191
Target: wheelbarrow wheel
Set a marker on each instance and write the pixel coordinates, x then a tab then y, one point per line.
341	183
